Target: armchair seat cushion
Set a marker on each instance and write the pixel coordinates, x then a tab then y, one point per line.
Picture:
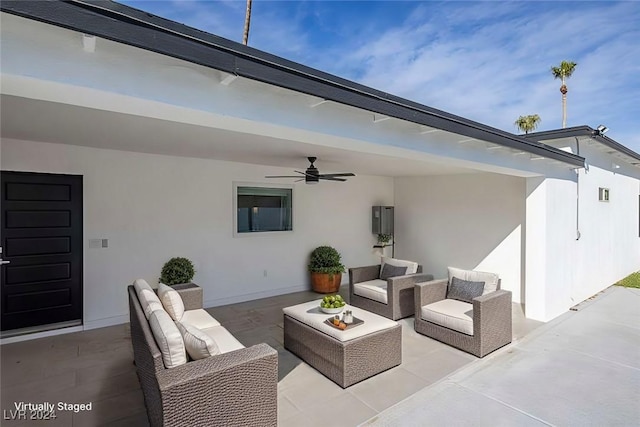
199	318
373	289
450	313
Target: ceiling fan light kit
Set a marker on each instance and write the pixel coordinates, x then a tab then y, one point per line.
312	175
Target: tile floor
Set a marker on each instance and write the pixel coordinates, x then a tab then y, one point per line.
96	366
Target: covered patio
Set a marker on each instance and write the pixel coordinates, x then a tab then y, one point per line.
97	366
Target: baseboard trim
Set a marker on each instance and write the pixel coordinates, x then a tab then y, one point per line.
108	321
42	334
254	295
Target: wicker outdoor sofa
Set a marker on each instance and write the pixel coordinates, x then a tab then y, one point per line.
237	388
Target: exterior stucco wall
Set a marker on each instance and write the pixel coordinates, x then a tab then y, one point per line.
472	221
576	245
154	207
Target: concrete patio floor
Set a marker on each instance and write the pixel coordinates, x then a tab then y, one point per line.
581	369
96	366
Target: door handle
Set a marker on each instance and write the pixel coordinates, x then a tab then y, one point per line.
4	262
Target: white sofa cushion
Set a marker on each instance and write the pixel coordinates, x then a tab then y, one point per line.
375	289
140	284
450	313
198	344
225	341
199	318
490	279
168	338
171	301
149	302
412	267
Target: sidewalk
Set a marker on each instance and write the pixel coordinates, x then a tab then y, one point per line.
580	369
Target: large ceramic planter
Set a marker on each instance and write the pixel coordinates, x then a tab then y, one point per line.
325	283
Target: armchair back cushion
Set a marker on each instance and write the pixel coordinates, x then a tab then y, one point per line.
464	290
491	280
388	270
412	267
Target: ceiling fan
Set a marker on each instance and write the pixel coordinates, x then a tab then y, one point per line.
312	175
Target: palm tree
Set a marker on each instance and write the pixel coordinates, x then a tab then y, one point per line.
528	123
563	72
247	22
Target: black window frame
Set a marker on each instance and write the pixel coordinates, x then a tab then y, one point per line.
260	197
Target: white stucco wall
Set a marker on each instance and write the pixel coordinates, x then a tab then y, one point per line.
563	270
154	207
472	221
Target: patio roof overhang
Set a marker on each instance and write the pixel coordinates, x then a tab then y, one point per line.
139	29
605	143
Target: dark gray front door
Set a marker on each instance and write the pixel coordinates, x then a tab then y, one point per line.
42	240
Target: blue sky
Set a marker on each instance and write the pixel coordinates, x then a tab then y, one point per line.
487	61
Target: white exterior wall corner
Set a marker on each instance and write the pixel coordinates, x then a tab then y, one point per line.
563	270
609	246
470	221
154	207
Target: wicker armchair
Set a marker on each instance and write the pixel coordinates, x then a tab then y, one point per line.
238	388
491	319
399	296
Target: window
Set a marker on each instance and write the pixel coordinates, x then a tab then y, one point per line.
261	209
603	194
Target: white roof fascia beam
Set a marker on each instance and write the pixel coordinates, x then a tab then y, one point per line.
426	129
377	118
89	43
318	103
228	79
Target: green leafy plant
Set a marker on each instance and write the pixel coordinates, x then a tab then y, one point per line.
177	270
325	259
631	281
383	239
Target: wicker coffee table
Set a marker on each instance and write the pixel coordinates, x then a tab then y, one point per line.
346	357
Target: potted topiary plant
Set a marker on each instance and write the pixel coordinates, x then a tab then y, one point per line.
326	269
177	270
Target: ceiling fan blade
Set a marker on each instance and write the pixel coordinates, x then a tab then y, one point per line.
298	180
332	179
283	176
304	173
332	175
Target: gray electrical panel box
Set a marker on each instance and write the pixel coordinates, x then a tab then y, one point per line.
382	220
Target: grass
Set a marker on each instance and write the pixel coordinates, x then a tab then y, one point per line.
631	281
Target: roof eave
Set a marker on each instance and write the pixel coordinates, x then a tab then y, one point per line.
583	131
123	24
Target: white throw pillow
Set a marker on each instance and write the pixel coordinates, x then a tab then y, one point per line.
199	345
172	301
412	267
168	338
149	302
